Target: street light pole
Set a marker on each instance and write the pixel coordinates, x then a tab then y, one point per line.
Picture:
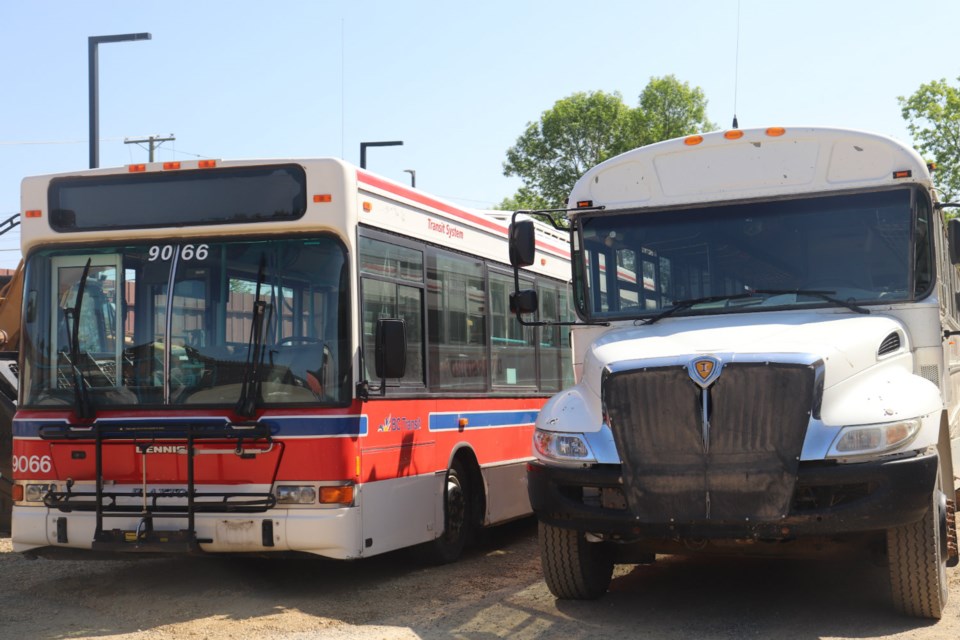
364	145
413	177
92	58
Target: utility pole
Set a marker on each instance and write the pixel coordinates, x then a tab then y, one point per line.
154	141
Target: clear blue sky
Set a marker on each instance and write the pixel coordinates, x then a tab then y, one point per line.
457	82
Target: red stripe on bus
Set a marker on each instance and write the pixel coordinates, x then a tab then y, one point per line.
404	192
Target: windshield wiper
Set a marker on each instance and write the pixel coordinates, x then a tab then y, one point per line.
827	296
680	305
252	375
72	317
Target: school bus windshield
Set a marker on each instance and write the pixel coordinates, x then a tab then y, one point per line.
857	248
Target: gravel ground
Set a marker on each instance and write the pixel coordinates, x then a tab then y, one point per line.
496	591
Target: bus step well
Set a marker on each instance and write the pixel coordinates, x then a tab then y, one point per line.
149	504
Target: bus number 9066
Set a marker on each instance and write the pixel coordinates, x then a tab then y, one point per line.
32	464
188	252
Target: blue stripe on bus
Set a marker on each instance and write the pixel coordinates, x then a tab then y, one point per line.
482	419
280	426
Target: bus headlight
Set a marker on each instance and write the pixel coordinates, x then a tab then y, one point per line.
296	494
874	438
35	492
569	447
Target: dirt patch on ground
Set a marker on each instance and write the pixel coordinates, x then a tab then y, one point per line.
496	591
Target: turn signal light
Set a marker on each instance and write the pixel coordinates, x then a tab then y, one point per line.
337	495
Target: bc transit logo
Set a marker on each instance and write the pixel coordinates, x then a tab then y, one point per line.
399	424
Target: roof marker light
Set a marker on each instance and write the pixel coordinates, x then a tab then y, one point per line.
207	164
775	131
583	204
733	134
137	168
33	213
168	166
322	197
906	173
692	140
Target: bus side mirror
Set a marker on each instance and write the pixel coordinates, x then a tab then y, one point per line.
953	239
390	350
522	243
524	301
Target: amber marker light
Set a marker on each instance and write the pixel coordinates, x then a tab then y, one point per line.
336	495
367	207
170	166
902	174
583	204
207	164
323	197
33	213
776	131
137	168
733	134
692	140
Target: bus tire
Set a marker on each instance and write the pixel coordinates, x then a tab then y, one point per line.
918	560
573	568
457	523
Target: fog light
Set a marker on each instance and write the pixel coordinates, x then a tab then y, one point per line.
296	494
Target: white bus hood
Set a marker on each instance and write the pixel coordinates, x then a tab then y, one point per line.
861	385
848	344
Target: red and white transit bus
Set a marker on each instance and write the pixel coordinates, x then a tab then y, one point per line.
268	356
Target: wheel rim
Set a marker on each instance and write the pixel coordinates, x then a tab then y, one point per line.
455	509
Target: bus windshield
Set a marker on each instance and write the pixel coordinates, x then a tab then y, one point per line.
851	249
253	322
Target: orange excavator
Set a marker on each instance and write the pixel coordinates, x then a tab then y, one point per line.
11	297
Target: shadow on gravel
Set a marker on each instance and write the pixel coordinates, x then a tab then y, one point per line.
728	598
95	598
495	591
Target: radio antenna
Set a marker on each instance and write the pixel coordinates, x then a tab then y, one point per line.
736	70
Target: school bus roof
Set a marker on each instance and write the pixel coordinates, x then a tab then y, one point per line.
749	163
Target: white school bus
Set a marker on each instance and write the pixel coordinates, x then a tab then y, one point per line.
767	357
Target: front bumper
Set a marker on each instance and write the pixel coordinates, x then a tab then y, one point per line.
829	499
333	533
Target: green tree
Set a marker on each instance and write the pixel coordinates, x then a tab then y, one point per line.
933	120
584	129
578	132
669	109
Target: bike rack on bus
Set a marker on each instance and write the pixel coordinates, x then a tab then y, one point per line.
163	503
